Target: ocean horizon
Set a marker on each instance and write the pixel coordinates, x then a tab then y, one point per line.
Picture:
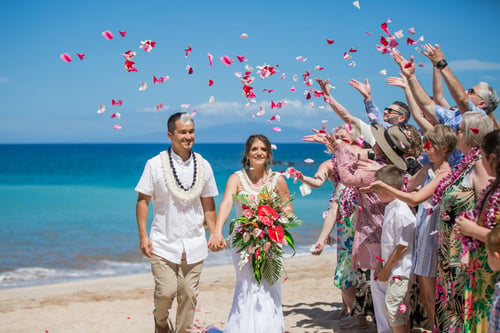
68	210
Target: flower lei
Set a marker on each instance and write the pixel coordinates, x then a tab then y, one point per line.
484	213
464	164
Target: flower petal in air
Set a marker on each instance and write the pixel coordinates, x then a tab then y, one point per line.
399	34
122	33
243	36
411	31
159	106
81	56
185	106
102	109
194	113
116	115
352	50
308	160
384	27
107	34
185	118
318	68
144	86
188	50
210	59
277	129
348	128
383	72
66	57
226	60
312	105
359	141
410	41
117	127
189	69
356	4
240	58
347	56
330	41
210	82
117	103
211	100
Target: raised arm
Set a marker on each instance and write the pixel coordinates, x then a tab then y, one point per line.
338	108
456	89
424	102
324	172
371	109
437	88
416	113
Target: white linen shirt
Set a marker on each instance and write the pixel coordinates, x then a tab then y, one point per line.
398	228
176	227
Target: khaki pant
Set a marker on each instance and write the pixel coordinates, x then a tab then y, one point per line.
171	280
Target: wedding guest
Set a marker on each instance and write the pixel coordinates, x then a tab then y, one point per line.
181	185
455	194
493	250
393	274
485	217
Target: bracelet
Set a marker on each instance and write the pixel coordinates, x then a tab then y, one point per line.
441	64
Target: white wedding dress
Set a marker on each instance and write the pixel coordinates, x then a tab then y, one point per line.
256	308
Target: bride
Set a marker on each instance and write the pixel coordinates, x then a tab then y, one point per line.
256	307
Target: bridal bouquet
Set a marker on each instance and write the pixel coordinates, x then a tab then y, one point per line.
260	232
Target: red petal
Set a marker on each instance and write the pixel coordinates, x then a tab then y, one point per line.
408	65
80	55
393	43
378	258
410	41
210	82
427	145
123	33
474	130
240	58
66	57
384	41
353	50
384	27
107	34
330	41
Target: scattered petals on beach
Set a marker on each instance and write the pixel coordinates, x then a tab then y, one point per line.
117	127
66	57
108	35
117	103
188	50
102	109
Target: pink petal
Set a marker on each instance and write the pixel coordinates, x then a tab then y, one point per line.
159	106
308	160
282	76
393	43
402	308
347	56
432	233
359	141
210	82
118	102
368	33
330	41
107	34
193	113
356	4
312	105
102	109
411	31
384	27
318	68
226	60
420	64
240	58
243	36
410	41
383	72
210	59
292	89
348	128
116	115
277	129
117	127
189	69
185	106
122	33
237	74
65	57
80	55
143	86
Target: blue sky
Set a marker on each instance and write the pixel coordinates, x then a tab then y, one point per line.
44	99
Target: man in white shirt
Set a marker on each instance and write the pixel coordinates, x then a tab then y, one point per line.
182	186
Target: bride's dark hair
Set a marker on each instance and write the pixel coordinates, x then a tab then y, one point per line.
251	139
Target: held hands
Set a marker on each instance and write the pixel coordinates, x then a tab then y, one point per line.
216	242
434	53
317	248
364	89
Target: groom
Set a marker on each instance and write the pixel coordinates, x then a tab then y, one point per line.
182	186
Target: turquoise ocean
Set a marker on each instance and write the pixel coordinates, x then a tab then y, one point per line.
67	211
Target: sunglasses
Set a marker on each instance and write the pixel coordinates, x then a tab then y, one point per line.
471	91
389	110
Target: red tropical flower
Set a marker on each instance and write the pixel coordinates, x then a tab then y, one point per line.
267	214
276	233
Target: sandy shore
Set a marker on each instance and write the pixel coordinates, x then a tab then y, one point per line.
123	304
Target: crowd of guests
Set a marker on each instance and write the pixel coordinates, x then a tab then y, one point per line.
416	208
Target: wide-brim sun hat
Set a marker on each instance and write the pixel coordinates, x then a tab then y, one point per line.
393	142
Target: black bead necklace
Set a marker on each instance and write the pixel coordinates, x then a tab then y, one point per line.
172	166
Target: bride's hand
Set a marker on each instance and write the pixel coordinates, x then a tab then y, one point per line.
216	243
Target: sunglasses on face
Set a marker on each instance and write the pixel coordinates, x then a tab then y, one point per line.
389	110
471	91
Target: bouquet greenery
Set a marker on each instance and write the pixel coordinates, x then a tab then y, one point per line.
260	232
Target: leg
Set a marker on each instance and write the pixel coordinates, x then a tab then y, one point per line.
348	296
427	286
165	275
378	299
187	294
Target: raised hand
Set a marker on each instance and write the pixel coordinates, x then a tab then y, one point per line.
407	67
400	81
434	53
325	86
364	89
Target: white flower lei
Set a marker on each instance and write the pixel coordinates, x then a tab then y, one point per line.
178	193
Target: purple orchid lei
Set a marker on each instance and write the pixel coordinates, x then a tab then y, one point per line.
464	165
485	213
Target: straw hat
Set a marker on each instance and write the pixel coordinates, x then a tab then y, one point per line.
394	142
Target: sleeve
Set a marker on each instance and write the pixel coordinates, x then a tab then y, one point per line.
350	174
446	116
376	116
473	107
146	183
366	133
405	229
210	188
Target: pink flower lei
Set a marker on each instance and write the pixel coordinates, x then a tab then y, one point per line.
464	164
484	213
